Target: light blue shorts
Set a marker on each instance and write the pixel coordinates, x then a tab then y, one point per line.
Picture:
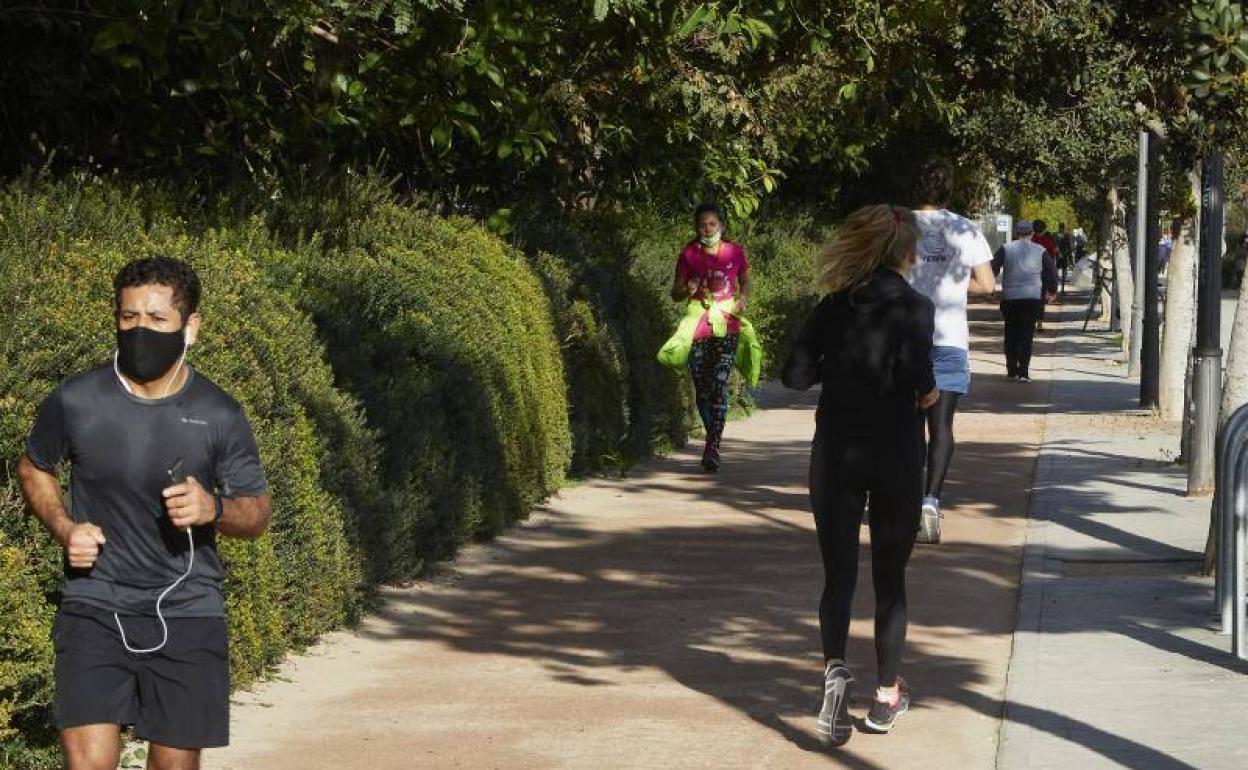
952	368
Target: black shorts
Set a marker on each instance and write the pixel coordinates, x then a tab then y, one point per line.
177	697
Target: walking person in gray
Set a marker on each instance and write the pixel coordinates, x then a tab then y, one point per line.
1028	280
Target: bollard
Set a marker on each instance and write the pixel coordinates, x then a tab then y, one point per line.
1230	449
1239	584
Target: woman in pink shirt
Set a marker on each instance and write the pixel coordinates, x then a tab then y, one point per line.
712	270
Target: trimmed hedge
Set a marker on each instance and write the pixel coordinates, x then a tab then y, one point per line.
25	653
446	337
60	246
596	369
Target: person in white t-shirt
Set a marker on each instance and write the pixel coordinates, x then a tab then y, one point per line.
954	259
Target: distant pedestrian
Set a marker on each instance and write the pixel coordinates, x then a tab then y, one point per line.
1240	261
1028	280
1065	256
1165	247
870	343
714	272
1080	243
954	260
1040	235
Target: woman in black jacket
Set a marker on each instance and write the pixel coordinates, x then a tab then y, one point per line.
869	343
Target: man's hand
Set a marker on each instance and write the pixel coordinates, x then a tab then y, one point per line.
189	504
1050	297
931	397
82	545
738	307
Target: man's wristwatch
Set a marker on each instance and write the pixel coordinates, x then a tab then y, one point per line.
219	504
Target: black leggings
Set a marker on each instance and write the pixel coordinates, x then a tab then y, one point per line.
940	442
843	471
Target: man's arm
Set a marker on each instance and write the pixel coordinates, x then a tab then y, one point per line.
245	517
190	505
42	491
983	280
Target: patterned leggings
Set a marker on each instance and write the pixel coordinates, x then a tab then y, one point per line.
710	364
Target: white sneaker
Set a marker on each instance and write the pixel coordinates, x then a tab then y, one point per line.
929	522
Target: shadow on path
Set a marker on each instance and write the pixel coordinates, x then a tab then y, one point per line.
727	608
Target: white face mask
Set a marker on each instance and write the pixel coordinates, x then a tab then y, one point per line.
713	239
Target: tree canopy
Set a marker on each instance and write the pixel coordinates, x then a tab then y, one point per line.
484	102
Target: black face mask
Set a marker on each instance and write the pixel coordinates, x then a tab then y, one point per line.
145	355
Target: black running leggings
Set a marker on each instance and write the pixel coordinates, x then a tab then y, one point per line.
940	442
843	471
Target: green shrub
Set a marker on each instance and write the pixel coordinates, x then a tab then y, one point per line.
597	374
446	337
60	245
782	253
25	655
1054	212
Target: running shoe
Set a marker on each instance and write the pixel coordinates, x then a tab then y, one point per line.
834	725
710	460
883	715
929	522
1024	378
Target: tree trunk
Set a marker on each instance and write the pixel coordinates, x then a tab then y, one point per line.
1180	317
1105	248
1124	284
1235	387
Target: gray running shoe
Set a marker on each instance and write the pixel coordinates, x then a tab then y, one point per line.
929	522
834	725
883	716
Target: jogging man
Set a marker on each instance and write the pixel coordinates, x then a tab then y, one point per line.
953	259
161	462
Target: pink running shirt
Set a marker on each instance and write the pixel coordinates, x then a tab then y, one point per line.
717	273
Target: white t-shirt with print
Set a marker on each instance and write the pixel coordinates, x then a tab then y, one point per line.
950	247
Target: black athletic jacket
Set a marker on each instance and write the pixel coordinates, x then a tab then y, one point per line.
872	350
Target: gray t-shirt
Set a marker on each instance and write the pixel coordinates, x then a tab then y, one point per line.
119	448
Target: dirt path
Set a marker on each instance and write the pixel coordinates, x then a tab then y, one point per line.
667	620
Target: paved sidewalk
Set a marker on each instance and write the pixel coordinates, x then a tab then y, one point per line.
668	620
1116	662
